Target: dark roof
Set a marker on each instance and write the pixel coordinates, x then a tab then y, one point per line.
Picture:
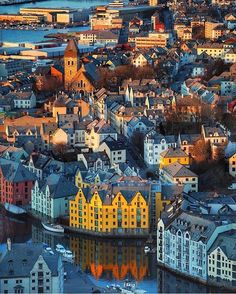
15	171
114	145
20	260
59	186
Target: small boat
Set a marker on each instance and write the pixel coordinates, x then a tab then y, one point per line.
147	249
49	250
15	210
60	249
68	256
53	228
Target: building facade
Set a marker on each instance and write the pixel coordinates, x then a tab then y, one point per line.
104	213
27	268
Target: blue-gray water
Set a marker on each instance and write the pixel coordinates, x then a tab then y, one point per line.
38	35
54	3
17	36
105	262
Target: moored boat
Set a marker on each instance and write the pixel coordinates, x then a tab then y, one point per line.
15	211
68	256
147	249
53	228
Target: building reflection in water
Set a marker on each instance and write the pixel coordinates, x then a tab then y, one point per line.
39	234
111	259
108	259
18	231
171	283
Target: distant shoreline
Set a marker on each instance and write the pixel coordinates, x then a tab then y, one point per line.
15	2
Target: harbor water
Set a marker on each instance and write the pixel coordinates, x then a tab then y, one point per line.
104	262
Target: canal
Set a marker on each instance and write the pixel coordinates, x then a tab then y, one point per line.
104	262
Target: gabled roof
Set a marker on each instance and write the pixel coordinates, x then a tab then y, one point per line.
174	152
177	170
20	260
59	186
15	172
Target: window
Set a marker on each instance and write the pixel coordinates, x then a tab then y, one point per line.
40	266
5	281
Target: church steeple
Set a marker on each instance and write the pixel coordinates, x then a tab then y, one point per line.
70	63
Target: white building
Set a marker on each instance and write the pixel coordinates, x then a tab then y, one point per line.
51	196
222	258
154	144
115	150
176	173
228	88
36	164
97	131
27	268
24	99
230	56
181	247
198	70
139	124
183	242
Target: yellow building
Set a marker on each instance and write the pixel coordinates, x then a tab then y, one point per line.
160	204
157	39
214	50
212	30
232	165
172	155
125	212
153	2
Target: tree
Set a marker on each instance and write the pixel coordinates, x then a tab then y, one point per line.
59	149
109	78
201	151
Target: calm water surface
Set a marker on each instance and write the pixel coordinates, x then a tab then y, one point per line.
54	3
16	36
105	262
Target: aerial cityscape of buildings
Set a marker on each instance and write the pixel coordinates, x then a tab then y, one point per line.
118	123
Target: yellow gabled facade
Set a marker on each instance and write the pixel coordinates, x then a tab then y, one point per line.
172	156
114	213
81	183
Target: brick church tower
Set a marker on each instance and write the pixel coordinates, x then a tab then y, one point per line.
71	62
